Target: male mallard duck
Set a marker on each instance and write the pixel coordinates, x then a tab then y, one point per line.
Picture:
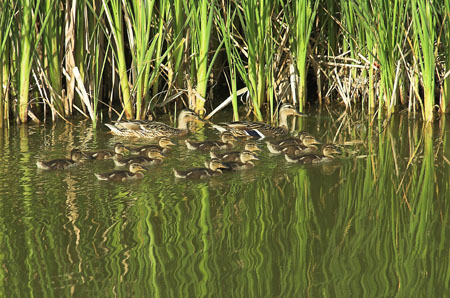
327	154
304	139
214	168
146	129
235	155
63	163
163	146
226	142
134	172
119	148
154	157
260	129
244	163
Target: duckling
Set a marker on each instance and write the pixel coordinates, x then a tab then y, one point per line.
151	129
119	148
153	157
163	146
76	156
259	129
304	139
214	168
226	142
235	155
134	172
327	154
244	163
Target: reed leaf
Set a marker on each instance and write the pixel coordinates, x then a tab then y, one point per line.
301	16
424	33
114	14
201	23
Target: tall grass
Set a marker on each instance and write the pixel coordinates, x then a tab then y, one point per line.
26	43
7	11
445	97
301	16
114	15
424	29
383	53
201	26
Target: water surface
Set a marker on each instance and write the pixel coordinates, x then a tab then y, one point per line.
373	224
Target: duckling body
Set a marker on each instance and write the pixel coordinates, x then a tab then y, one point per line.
214	169
292	149
151	129
119	148
244	162
226	142
62	163
163	146
153	157
328	154
260	129
134	172
234	155
303	143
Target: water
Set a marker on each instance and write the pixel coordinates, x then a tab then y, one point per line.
374	224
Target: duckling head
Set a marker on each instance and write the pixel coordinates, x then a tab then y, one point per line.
251	146
289	110
215	164
247	156
227	137
135	167
76	155
165	142
120	148
331	150
309	140
154	154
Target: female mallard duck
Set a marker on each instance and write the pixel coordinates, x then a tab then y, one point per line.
226	142
235	155
76	156
154	157
163	146
214	168
134	172
119	148
304	139
244	163
327	154
146	129
259	129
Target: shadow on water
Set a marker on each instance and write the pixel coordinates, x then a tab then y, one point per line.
372	224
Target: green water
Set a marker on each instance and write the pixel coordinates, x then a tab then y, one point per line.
374	224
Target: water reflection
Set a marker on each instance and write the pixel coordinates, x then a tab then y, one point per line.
372	224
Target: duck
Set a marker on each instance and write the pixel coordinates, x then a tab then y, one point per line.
248	129
119	148
153	129
214	168
304	139
235	155
154	157
163	146
134	172
328	154
244	162
76	156
226	142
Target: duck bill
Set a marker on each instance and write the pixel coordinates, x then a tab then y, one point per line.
299	114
